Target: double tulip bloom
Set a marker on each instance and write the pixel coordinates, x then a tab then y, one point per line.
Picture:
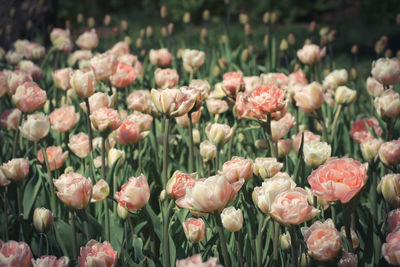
161	57
166	78
51	261
79	144
219	134
17	78
55	156
63	119
13	253
104	65
388	104
194	229
232	83
232	219
238	168
105	120
29	97
9	118
16	169
177	184
310	97
140	100
88	40
84	83
266	167
316	153
389	153
310	54
360	133
35	127
62	78
98	254
124	75
135	194
172	102
192	59
267	100
386	71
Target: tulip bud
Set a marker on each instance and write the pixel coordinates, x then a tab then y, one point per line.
389	187
232	219
163	195
186	18
164	12
316	153
291	39
196	136
284	147
353	73
216	70
283	45
245	55
170	28
142	32
91	22
204	36
243	18
324	31
42	220
122	212
370	149
266	17
305	260
149	31
274	18
345	95
261	144
139	42
79	18
266	40
207	150
101	190
223	39
107	20
389	153
194	229
312	26
354	49
354	239
285	241
388	53
206	15
124	25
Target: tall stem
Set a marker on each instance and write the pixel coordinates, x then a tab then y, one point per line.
191	156
155	145
347	226
168	204
323	125
153	246
272	146
90	134
293	240
86	224
74	240
239	249
53	204
259	241
335	120
222	240
230	145
16	138
275	242
40	244
103	176
140	156
165	151
5	213
217	159
20	209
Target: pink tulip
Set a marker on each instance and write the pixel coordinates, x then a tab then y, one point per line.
308	137
201	85
216	106
104	65
184	120
232	83
348	260
31	68
79	55
389	153
298	77
386	70
124	76
161	57
267	100
284	147
197	261
9	119
105	120
208	195
359	131
374	88
3	82
243	107
79	145
50	261
291	207
63	119
192	59
177	184
311	54
120	48
251	83
13	253
391	249
35	127
55	157
84	83
34	51
144	121
194	229
310	97
140	100
172	102
166	78
280	128
388	104
29	97
61	40
3	179
135	194
128	59
62	78
335	79
338	179
17	78
16	169
276	79
323	240
74	190
98	100
98	254
128	133
101	190
238	168
88	40
393	219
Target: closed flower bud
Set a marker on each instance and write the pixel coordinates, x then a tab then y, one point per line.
345	95
247	29
243	18
354	49
114	155
370	149
354	238
232	219
186	17
266	167
285	241
389	153
261	144
389	186
266	40
196	136
291	39
91	22
194	229
35	127
305	260
284	45
101	190
284	148
310	54
207	150
274	18
122	212
219	134
42	220
316	153
206	15
149	31
163	11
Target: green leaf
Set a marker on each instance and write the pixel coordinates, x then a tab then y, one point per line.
137	244
31	191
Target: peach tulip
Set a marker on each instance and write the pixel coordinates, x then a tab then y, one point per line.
360	133
55	157
88	40
238	168
124	75
386	70
98	254
101	190
335	79
251	83
338	179
17	78
9	119
389	153
161	57
120	48
61	40
29	97
51	261
194	229
267	100
184	120
217	106
298	77
34	51
308	137
197	261
374	88
391	249
143	120
276	79
172	102
388	104
35	127
103	65
79	55
207	150
140	100
232	83
13	253
98	100
310	54
310	97
279	128
62	78
134	194
84	83
105	120
219	134
284	147
79	144
201	85
63	119
166	78
128	133
177	184
348	260
31	68
192	59
16	169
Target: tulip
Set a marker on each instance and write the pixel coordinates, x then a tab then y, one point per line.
74	190
13	58
354	239
79	145
232	219
55	157
310	97
393	219
207	150
120	48
13	253
316	153
63	119
335	79
201	85
374	88
277	79
104	65
29	97
279	128
124	76
284	147
15	79
3	179
345	95
79	55
391	249
122	211
348	260
16	169
192	60
61	39
267	100
114	155
285	241
172	102
389	153
161	57
359	131
98	254
266	167
101	190
219	134
88	40
42	220
210	194
389	186
105	120
232	83
98	100
323	240
9	119
35	127
310	54
177	184
184	120
143	120
386	71
370	149
238	168
140	100
135	194
196	260
31	68
84	83
62	78
166	78
51	261
291	207
388	104
194	229
216	106
308	137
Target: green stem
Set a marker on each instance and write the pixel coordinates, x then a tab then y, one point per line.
153	246
20	209
16	138
140	156
323	125
293	240
165	151
335	120
259	241
155	145
103	176
86	224
5	213
222	240
239	249
191	156
347	226
115	204
90	134
74	240
217	159
190	76
275	242
272	146
168	204
40	244
53	203
230	145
